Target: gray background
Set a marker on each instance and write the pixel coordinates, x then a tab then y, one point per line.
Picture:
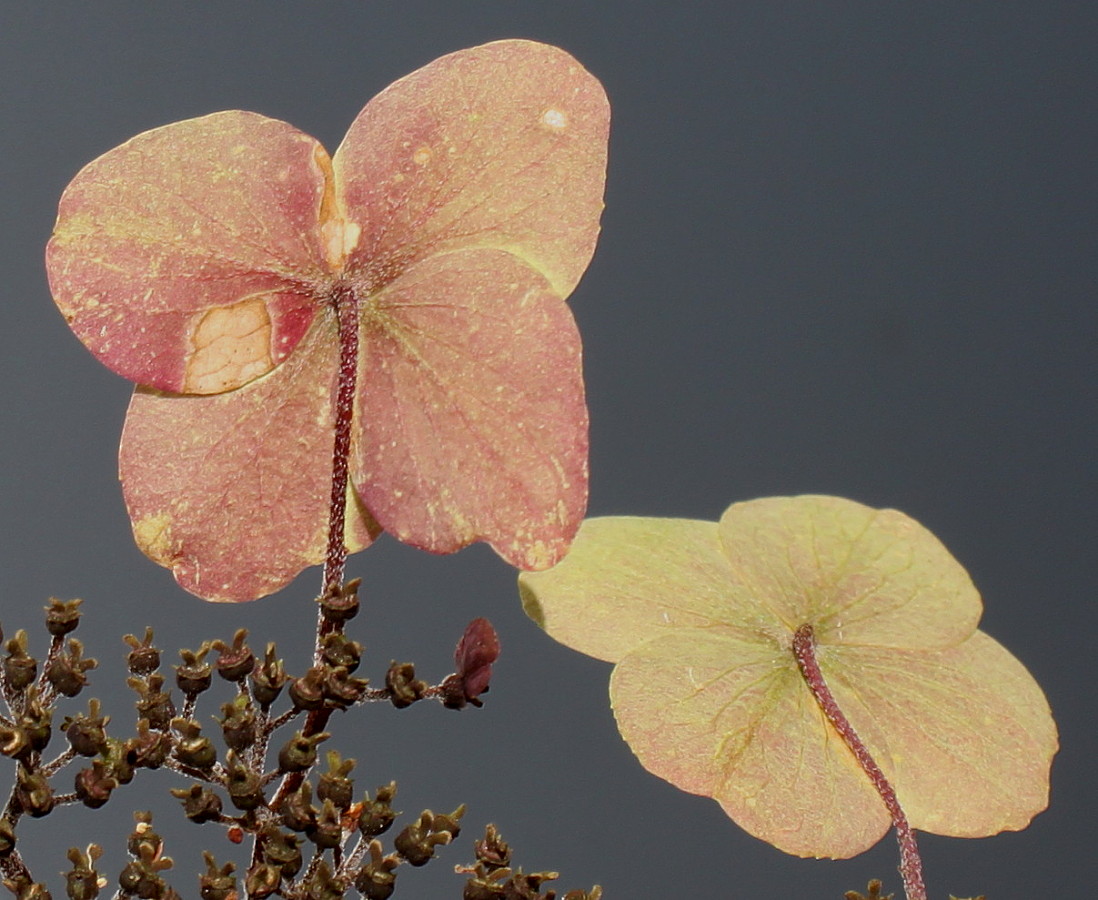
848	248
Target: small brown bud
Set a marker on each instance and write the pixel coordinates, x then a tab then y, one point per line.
327	832
94	784
87	734
15	743
62	616
200	803
339	650
143	839
20	669
262	880
217	883
33	792
298	812
378	814
66	672
7	838
299	753
323	885
36	721
377	879
334	784
341	689
341	605
143	657
493	852
417	842
404	688
307	692
238	723
82	881
450	823
281	849
193	749
153	704
236	661
268	678
194	675
244	786
148	749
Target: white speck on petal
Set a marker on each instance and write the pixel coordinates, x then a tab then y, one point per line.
554	118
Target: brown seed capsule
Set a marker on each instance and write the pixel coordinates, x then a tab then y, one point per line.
62	616
94	784
153	704
244	785
377	879
194	675
87	734
238	723
299	753
268	678
20	669
404	688
33	793
200	804
341	605
143	657
236	661
378	814
217	883
66	672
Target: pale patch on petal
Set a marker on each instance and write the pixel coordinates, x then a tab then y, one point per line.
231	346
153	535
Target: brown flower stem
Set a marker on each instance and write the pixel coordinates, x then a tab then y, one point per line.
335	560
911	864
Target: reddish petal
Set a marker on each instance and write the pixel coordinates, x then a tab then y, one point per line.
231	491
189	258
502	145
474	655
471	416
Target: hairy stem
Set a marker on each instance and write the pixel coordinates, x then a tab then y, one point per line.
911	864
335	560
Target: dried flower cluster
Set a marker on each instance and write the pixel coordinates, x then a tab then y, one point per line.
311	838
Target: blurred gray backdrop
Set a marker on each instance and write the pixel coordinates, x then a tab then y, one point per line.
848	248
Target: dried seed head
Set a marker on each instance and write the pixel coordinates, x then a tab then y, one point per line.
268	678
143	657
236	661
66	672
378	814
341	605
299	752
403	686
194	675
62	616
217	883
20	669
200	803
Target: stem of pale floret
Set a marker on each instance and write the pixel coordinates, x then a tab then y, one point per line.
335	560
911	864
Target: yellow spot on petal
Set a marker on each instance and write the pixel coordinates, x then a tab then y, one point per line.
422	156
539	556
340	238
231	345
556	119
154	536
